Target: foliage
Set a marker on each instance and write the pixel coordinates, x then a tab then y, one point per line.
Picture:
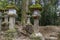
48	15
3	4
12	5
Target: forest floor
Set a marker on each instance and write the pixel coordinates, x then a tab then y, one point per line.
46	31
49	31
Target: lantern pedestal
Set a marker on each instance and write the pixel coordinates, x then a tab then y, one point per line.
5	23
36	25
11	22
6	18
28	19
0	20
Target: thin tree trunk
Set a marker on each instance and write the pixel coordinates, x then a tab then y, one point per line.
24	11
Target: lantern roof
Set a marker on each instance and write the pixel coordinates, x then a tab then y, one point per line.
10	6
3	9
36	6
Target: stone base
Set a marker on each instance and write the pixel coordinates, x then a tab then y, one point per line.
38	36
28	29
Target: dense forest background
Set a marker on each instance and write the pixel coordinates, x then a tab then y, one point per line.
29	19
50	14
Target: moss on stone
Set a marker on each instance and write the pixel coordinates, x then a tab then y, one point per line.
4	23
12	15
11	6
11	31
36	6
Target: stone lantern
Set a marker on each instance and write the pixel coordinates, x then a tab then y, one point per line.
12	9
29	28
6	16
36	8
0	18
28	19
5	20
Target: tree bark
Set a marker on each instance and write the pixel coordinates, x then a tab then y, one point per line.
24	11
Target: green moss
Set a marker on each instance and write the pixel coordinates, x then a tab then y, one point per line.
9	34
3	5
11	6
35	38
36	6
11	31
4	23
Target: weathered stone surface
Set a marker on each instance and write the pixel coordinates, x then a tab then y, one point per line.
11	22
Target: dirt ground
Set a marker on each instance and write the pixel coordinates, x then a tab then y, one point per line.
46	31
49	31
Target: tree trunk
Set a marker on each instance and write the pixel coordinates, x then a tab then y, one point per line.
24	11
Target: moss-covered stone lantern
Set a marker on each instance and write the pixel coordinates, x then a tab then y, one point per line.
28	28
0	18
12	10
28	18
36	8
3	10
4	19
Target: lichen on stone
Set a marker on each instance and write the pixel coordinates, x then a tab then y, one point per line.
36	6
